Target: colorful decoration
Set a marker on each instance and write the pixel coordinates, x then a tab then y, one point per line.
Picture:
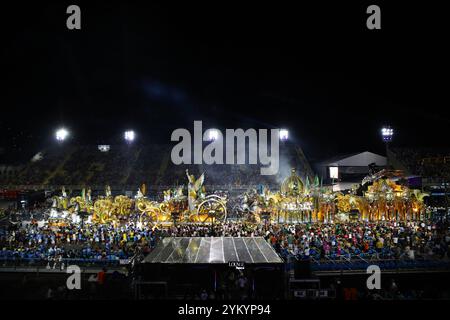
297	201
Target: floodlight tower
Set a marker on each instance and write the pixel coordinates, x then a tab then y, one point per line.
61	134
386	133
129	136
284	134
213	134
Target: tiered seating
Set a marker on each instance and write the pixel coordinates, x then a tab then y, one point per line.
133	165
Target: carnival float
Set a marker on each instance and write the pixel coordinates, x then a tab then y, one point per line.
297	200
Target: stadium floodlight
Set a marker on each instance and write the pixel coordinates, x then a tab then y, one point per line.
129	135
213	134
104	147
284	134
61	134
387	133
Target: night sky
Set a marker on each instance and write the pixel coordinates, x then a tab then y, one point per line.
315	70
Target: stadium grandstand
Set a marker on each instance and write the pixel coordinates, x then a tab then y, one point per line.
425	162
431	166
125	167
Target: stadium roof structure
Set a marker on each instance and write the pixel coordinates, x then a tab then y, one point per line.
361	159
206	250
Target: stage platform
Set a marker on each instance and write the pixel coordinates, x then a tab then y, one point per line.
213	250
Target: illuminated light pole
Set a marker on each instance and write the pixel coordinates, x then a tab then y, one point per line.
284	134
129	136
386	133
213	134
61	134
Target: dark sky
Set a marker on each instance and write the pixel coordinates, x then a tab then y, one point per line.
315	70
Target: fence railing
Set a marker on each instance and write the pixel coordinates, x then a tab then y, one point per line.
15	262
384	264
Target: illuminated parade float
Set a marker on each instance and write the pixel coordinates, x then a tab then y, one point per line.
377	199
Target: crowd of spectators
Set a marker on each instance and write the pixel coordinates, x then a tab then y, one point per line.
32	243
104	243
381	240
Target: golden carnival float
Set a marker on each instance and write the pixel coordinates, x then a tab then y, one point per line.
297	200
384	200
196	206
294	202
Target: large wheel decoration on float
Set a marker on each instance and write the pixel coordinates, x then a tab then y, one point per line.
212	209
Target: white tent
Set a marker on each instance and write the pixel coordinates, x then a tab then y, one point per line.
350	168
362	159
